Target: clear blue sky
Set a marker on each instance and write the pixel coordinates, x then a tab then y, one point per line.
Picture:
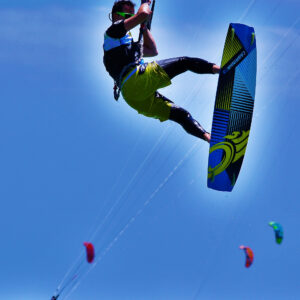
72	158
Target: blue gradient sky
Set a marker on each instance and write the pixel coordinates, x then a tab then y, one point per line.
73	159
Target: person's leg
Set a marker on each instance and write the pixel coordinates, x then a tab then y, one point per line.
184	118
178	65
190	125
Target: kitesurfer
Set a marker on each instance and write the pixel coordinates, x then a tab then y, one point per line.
139	81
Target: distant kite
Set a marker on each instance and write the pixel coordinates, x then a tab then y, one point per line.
278	231
249	255
90	252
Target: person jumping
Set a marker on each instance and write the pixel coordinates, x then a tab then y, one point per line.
139	81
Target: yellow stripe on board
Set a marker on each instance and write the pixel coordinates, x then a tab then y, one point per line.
231	48
223	99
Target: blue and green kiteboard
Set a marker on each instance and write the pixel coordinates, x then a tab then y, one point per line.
233	108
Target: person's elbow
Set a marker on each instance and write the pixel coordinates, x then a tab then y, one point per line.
150	52
154	52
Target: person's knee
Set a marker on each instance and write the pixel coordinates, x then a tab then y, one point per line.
179	114
184	61
184	58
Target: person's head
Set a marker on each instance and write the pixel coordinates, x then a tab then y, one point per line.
122	9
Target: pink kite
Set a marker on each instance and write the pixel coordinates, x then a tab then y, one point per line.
249	255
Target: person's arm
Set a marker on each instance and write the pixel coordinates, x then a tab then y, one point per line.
140	17
149	46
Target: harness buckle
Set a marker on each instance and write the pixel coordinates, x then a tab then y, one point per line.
116	92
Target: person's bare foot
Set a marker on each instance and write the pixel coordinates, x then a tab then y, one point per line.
207	137
216	69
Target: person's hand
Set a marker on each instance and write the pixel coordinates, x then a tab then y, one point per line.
145	8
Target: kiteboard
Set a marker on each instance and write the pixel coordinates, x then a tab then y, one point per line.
233	108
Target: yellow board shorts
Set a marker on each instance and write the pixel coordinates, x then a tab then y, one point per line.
139	92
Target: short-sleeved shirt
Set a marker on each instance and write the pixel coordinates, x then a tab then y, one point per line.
119	49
